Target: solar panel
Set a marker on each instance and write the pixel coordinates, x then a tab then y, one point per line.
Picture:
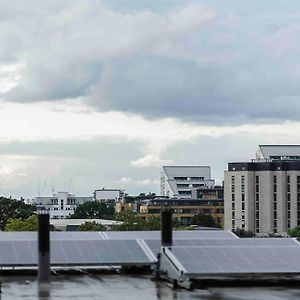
180	234
76	235
99	252
155	245
227	260
75	252
17	236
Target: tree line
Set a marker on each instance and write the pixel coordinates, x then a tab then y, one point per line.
15	215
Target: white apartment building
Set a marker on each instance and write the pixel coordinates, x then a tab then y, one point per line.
61	204
263	196
179	181
110	196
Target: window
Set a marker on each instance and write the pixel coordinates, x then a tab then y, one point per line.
233	206
257	206
233	197
275	205
257	214
257	197
233	215
275	188
288	179
243	206
257	179
243	197
275	214
232	179
275	179
288	188
257	188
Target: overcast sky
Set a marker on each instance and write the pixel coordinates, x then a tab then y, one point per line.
103	93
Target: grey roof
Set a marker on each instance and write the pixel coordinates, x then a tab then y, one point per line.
201	171
279	150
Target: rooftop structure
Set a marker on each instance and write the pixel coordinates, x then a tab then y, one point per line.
73	224
278	152
109	196
179	181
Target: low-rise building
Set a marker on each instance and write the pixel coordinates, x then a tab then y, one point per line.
185	209
61	204
109	196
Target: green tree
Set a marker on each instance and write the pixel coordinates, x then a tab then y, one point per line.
152	223
93	210
204	220
242	233
294	232
13	209
91	226
29	224
131	221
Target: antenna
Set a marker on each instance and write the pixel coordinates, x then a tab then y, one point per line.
38	186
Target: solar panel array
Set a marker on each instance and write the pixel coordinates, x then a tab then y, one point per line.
94	248
71	252
242	256
199	252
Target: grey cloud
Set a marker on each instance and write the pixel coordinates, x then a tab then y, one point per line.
209	64
160	87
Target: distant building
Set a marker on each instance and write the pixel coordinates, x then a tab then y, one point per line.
263	195
61	204
133	203
185	209
74	224
179	181
109	196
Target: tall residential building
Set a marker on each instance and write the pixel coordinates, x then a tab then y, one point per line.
61	205
263	195
179	181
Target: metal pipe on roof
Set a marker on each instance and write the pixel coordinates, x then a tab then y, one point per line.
166	227
44	271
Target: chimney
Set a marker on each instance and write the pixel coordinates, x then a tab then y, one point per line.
44	271
166	227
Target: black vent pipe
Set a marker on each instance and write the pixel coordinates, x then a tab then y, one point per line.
166	227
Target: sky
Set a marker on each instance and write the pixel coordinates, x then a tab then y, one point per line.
102	94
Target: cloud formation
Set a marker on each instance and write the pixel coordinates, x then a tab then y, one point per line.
106	92
198	61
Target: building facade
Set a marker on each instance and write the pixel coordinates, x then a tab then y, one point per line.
179	181
263	196
61	205
185	209
109	196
